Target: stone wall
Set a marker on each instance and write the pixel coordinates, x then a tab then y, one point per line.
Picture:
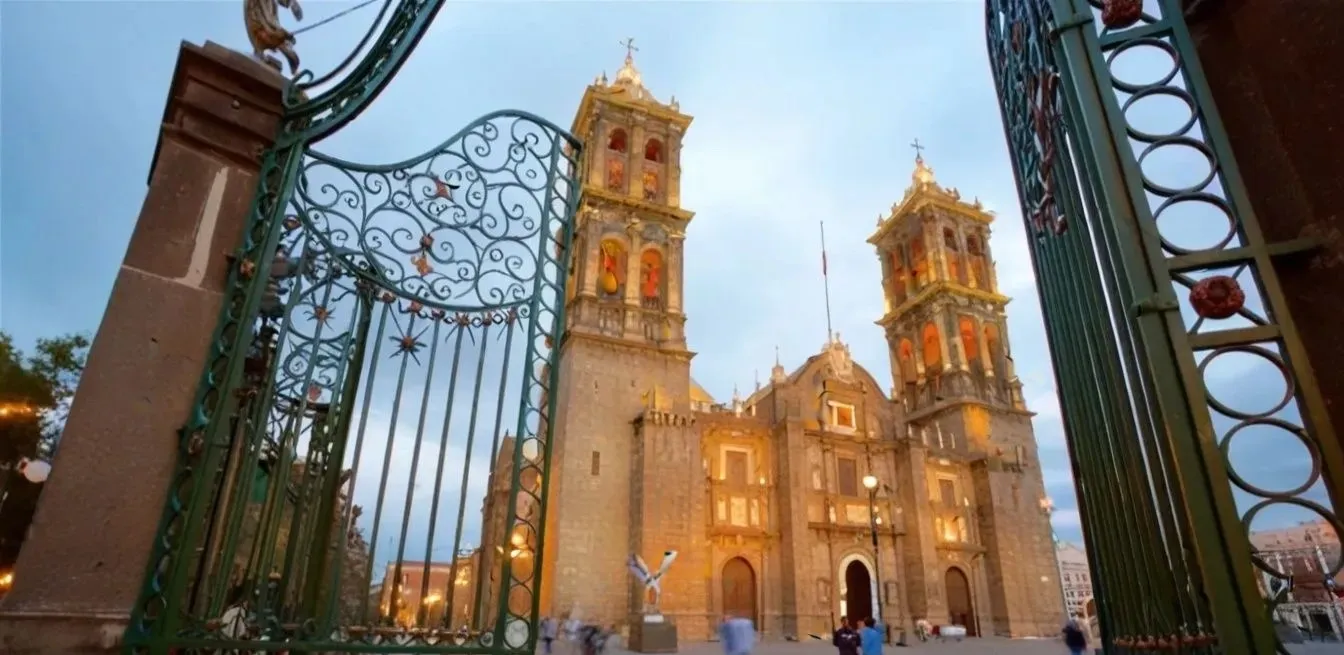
602	389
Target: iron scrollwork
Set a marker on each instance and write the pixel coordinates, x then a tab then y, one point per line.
455	255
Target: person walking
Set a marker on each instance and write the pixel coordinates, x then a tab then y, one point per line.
1074	637
870	637
548	630
845	639
737	634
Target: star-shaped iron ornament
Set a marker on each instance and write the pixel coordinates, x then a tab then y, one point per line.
320	314
409	345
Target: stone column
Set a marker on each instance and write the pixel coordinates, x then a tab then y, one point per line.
597	152
633	269
984	350
83	565
673	171
955	322
591	258
634	161
672	268
940	247
940	322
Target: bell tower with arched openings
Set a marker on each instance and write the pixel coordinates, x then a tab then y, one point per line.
966	424
944	316
624	346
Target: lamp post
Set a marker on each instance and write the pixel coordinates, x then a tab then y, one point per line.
1048	508
870	483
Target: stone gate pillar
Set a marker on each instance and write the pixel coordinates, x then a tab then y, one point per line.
82	566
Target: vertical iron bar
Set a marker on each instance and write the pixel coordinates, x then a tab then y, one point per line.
466	468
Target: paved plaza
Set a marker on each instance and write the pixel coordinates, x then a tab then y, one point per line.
990	646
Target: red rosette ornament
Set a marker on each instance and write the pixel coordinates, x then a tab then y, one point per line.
1119	14
1217	297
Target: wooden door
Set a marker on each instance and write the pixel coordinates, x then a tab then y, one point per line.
959	609
739	589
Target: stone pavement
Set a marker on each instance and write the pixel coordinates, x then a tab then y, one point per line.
988	646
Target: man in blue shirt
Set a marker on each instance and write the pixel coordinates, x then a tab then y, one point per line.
871	637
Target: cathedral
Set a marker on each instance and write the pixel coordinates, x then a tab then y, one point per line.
819	495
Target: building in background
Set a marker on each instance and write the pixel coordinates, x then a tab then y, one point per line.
764	496
1076	579
407	600
1307	552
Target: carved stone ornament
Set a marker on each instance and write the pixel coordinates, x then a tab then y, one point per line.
654	233
264	31
1217	297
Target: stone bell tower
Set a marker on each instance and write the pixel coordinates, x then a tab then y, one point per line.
624	347
953	374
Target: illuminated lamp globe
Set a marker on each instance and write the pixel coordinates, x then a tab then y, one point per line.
870	482
35	470
609	282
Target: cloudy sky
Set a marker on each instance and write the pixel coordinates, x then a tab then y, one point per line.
803	113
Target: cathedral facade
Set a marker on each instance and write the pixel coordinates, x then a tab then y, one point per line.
773	500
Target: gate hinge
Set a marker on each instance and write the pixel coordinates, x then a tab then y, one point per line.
1156	304
1075	21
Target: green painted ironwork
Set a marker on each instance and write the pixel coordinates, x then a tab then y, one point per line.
1134	320
384	327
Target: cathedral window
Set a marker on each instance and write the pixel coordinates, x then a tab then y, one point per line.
933	350
979	269
842	416
847	476
970	344
611	269
897	275
615	174
952	252
653	151
947	492
735	465
597	463
618	141
651	279
918	261
650	184
995	348
906	357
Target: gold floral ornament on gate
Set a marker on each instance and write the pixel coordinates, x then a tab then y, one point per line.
266	34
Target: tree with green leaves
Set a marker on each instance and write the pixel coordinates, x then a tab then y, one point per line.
35	393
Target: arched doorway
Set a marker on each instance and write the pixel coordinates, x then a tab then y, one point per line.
858	591
959	608
739	589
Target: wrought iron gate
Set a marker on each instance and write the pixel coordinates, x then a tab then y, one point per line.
1134	320
385	327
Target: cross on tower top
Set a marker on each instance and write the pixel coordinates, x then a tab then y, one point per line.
630	48
919	150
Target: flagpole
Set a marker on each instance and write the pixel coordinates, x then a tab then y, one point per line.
826	284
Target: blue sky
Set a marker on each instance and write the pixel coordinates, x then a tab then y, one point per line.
803	113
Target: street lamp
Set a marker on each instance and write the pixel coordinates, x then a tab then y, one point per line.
870	483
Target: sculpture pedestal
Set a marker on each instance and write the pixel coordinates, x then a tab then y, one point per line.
653	633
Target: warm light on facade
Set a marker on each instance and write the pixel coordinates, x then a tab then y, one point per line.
6	580
15	409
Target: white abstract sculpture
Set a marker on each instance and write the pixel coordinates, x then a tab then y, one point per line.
651	581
